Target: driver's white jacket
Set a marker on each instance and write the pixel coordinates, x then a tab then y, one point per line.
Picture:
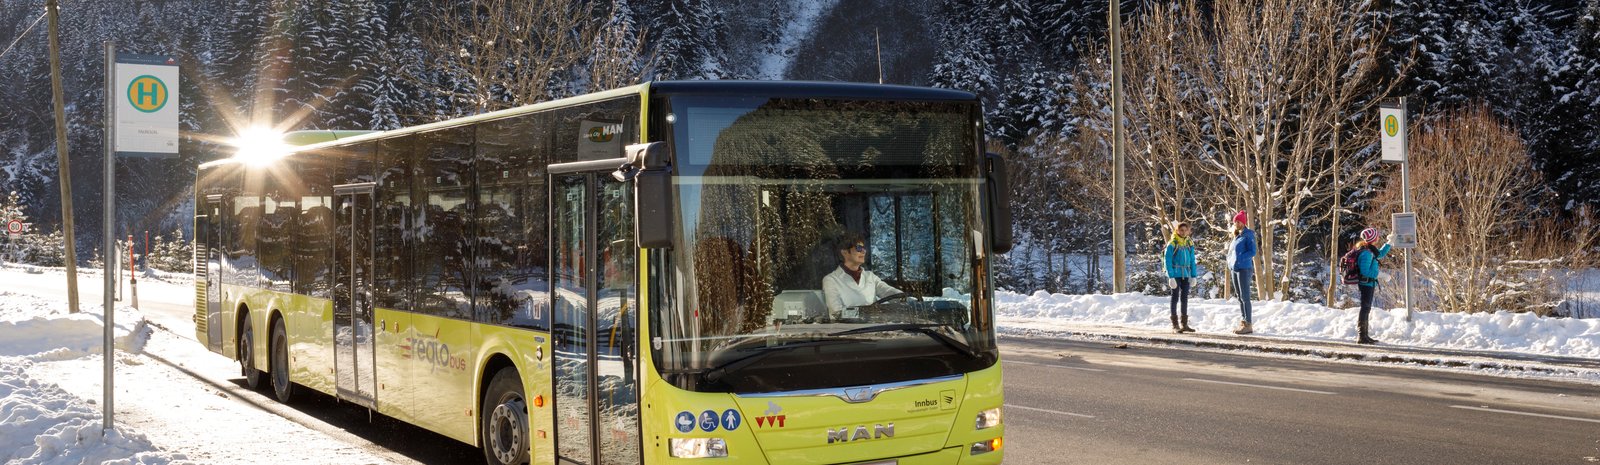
841	291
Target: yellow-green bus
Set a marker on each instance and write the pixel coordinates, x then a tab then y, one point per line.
631	276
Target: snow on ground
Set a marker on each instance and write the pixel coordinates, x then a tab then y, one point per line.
171	393
1502	332
42	424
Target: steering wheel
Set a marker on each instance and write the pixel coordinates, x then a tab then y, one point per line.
902	295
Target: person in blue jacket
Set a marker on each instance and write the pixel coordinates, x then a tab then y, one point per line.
1367	264
1242	267
1179	258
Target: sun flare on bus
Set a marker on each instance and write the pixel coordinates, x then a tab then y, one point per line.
259	146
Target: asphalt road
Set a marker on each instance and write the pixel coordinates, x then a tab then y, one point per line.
1091	403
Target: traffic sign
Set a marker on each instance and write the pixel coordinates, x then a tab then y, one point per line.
147	105
1392	131
15	227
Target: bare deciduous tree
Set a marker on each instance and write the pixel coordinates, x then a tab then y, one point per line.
1483	242
506	53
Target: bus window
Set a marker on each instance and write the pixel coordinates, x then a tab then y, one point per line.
443	230
512	286
393	277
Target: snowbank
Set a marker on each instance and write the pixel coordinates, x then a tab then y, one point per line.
43	329
1504	332
42	424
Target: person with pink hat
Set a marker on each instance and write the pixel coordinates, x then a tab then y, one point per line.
1367	279
1242	267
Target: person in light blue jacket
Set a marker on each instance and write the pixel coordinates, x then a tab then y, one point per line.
1367	265
1179	258
1242	268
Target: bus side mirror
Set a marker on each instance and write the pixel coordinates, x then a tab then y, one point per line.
999	185
652	189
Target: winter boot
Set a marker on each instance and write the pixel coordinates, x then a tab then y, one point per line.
1364	339
1175	328
1244	328
1185	326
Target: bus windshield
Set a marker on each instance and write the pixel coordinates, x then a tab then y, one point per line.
822	243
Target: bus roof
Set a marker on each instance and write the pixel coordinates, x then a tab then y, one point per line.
796	89
811	89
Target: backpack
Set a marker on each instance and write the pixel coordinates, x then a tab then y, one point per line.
1351	265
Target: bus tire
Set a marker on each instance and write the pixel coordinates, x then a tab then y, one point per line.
247	355
279	366
504	424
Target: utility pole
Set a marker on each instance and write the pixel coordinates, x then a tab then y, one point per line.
1119	182
878	42
63	163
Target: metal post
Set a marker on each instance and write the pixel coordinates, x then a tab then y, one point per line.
1119	227
63	160
110	262
1333	242
133	276
1405	198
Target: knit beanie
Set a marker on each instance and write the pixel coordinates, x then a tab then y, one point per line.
1370	235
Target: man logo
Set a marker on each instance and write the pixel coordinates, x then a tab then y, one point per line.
860	433
147	94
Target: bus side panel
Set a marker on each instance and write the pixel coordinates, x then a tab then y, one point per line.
394	355
983	392
530	352
309	321
443	399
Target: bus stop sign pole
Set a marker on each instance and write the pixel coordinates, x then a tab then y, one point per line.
108	258
1396	149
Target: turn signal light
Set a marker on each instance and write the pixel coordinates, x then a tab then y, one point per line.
538	401
987	446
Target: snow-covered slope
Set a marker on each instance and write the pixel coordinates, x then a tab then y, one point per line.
1504	332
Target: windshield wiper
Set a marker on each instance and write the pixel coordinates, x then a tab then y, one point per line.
715	373
929	329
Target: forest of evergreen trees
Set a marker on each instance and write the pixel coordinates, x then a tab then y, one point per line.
382	64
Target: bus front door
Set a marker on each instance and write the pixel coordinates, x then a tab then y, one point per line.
594	320
352	295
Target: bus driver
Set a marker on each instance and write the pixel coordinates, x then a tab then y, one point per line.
851	285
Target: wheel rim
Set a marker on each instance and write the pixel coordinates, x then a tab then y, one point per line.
508	427
280	365
246	354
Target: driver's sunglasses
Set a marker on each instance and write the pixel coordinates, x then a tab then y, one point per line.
861	248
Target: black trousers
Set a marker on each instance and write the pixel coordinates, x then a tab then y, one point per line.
1367	294
1180	297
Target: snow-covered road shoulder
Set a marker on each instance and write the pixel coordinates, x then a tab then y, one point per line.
1524	334
41	329
42	424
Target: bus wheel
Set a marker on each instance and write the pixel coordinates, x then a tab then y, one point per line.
505	420
247	355
280	364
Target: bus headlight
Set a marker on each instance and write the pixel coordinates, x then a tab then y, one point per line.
697	448
989	418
